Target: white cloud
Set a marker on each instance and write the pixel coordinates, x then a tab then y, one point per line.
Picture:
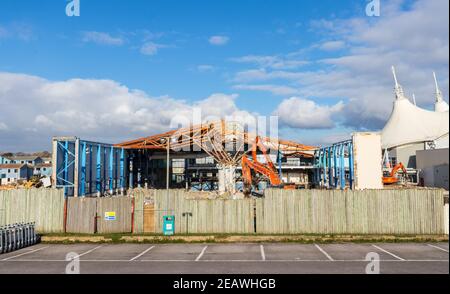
17	30
205	68
268	61
102	38
3	126
101	110
3	32
306	114
253	75
219	40
332	45
151	48
415	40
274	89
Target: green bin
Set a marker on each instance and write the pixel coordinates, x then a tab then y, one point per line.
169	225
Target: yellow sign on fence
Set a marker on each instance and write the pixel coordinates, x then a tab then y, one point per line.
110	215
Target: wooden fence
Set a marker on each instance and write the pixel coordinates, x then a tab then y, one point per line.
195	216
45	207
120	215
99	215
81	215
407	211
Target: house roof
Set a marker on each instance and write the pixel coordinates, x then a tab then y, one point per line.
43	165
12	165
24	157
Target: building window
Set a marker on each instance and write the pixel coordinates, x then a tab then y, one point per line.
204	160
15	171
9	170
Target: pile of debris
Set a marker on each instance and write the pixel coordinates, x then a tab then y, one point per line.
213	195
33	182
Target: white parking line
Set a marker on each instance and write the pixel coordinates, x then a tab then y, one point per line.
87	252
201	253
263	254
324	252
28	252
227	260
139	255
437	247
391	254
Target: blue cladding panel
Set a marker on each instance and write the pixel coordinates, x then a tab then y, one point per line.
99	168
122	168
111	166
350	158
332	164
83	170
342	167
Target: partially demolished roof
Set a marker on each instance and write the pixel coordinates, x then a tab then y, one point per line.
227	142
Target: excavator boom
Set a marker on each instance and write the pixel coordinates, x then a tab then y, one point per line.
268	169
392	178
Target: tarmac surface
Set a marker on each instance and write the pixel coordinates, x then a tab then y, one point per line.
267	258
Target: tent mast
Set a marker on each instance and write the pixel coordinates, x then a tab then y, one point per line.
398	88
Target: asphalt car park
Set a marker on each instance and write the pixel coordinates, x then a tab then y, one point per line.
267	258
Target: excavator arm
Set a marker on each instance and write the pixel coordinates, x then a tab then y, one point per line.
268	169
392	178
397	168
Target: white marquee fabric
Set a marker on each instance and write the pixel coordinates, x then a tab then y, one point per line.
441	105
410	124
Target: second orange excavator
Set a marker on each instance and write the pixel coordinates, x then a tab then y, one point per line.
392	178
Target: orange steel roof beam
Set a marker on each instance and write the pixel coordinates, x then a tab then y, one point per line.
211	138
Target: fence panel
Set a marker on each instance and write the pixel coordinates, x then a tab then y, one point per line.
81	214
114	215
141	197
45	207
406	211
203	216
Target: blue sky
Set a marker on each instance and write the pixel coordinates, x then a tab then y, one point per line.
264	57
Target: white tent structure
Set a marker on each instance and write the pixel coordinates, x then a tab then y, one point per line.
410	124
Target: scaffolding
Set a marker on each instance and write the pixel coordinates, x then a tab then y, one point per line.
84	168
334	166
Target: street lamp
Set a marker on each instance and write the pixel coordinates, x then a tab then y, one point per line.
166	141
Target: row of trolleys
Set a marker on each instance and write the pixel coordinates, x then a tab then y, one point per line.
17	236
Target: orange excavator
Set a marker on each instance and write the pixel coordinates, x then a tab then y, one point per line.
268	169
392	177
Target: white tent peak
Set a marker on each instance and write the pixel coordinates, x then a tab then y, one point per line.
409	124
440	105
399	94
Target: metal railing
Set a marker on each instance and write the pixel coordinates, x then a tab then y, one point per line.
17	236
